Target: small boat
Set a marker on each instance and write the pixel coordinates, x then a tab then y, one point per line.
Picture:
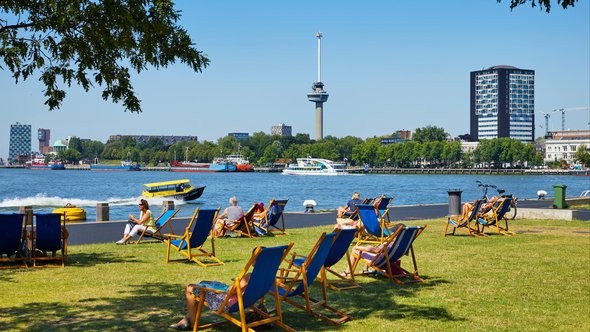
242	164
126	165
71	213
177	189
315	166
218	165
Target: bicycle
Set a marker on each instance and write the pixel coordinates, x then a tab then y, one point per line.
512	209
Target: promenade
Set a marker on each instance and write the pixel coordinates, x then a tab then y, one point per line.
110	231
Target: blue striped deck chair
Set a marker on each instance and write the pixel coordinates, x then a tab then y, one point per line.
382	205
400	243
373	230
296	282
268	224
493	219
264	264
191	243
162	221
463	223
49	236
338	250
12	239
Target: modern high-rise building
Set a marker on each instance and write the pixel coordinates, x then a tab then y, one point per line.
20	140
44	136
281	130
503	103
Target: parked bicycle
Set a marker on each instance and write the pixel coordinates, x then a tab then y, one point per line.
512	210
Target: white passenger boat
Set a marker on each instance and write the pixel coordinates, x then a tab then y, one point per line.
315	166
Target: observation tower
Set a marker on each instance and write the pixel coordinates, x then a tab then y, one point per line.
318	95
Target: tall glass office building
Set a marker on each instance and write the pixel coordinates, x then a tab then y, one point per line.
503	103
20	140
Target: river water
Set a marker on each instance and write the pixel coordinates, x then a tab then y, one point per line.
46	190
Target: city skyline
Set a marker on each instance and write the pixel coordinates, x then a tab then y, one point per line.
388	66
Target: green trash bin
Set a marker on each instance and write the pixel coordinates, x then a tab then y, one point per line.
559	194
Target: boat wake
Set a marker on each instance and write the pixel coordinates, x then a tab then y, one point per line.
42	200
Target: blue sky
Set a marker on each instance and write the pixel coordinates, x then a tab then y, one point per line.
387	66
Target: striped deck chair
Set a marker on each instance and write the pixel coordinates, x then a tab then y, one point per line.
463	223
12	239
373	230
493	219
264	264
49	236
382	205
338	250
272	215
190	244
296	282
397	245
162	221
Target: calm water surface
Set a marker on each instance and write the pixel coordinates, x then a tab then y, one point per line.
46	190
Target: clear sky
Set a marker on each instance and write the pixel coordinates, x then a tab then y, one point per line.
387	65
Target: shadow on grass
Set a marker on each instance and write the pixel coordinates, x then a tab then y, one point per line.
73	260
150	308
377	299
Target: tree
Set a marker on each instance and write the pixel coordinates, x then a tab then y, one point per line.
583	155
91	42
542	3
75	143
429	133
69	155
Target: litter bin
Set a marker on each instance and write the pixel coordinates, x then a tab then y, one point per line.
454	202
559	194
102	212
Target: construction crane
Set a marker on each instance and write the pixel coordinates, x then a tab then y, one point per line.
546	116
563	110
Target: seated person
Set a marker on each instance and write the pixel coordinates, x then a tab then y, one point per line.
214	300
348	210
484	208
136	225
228	217
356	250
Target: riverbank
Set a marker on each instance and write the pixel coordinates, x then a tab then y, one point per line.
381	170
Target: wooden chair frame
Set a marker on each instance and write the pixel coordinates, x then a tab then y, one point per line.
463	223
158	235
193	254
276	319
19	256
54	257
492	220
264	220
386	252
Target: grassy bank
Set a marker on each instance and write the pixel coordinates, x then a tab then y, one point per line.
537	280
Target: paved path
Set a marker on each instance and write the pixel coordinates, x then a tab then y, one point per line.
111	231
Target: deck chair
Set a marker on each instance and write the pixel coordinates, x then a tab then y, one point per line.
162	221
338	250
384	262
382	206
12	239
296	281
264	263
244	225
190	244
493	219
374	230
463	223
272	215
49	236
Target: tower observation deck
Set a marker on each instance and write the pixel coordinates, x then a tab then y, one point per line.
318	95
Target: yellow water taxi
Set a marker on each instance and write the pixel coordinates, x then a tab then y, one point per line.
177	189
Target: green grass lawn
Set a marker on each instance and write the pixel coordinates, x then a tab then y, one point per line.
537	280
